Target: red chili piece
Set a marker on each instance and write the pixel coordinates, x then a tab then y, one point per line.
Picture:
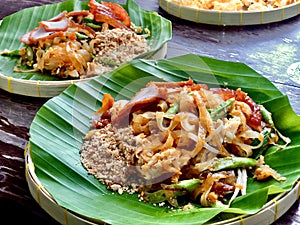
254	120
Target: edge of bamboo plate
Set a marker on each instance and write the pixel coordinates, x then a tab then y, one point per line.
272	210
230	18
45	201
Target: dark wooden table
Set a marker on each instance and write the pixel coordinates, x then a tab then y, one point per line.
269	49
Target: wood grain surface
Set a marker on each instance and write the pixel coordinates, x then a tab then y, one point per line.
269	49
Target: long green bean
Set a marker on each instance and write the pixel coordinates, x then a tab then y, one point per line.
263	147
81	36
232	163
221	110
11	53
170	192
267	117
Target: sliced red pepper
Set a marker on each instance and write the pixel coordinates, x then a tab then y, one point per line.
119	12
110	13
254	120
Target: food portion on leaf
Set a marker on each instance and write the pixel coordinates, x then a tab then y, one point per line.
235	5
181	142
83	43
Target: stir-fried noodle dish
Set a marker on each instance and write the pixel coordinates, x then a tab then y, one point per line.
83	43
181	142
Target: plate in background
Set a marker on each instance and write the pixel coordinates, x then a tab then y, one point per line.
230	18
37	84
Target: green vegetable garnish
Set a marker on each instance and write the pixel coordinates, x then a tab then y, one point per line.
172	191
232	163
173	108
221	110
11	53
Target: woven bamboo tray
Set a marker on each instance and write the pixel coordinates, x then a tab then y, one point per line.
217	17
48	89
273	210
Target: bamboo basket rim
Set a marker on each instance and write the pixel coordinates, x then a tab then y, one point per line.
230	18
35	88
274	208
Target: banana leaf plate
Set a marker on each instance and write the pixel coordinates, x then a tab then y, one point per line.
61	185
230	18
39	84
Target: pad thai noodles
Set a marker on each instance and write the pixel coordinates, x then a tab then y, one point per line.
181	141
80	44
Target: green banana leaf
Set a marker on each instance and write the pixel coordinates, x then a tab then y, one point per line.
11	29
57	131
